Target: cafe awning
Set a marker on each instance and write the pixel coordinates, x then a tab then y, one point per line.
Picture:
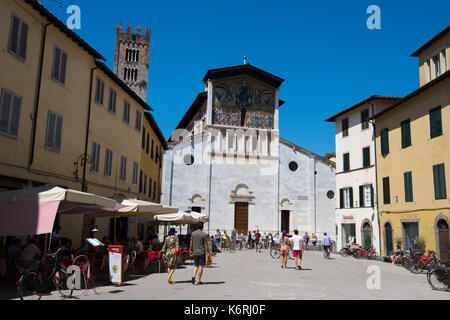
178	218
33	211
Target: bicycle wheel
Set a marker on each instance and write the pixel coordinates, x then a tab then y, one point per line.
439	280
343	253
275	253
60	282
31	286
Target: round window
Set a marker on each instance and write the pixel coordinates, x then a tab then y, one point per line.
189	159
330	194
293	166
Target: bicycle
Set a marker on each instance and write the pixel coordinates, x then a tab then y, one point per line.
439	277
326	252
37	282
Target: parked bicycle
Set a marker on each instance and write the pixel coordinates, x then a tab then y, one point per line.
439	277
47	276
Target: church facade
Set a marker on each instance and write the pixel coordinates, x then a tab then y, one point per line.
227	160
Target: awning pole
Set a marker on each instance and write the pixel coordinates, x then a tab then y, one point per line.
115	231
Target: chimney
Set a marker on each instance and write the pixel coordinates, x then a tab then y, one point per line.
138	30
119	28
129	28
148	31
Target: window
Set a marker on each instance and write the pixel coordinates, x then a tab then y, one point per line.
123	168
345	127
435	122
18	34
126	111
112	101
150	187
135	173
188	159
330	195
366	196
147	150
95	157
437	65
143	139
99	91
154	190
346	198
406	134
346	162
408	186
366	157
53	132
365	119
385	142
386	191
59	65
140	181
153	147
145	183
108	163
10	105
293	166
130	74
138	121
440	189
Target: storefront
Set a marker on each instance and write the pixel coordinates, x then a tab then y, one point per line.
348	229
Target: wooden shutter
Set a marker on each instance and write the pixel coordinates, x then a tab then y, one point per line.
351	197
58	133
366	157
341	198
384	142
386	191
372	196
406	134
345	127
346	162
5	111
140	181
23	41
147	150
51	123
365	119
439	182
408	187
150	187
361	196
436	122
56	62
15	115
14	35
93	158
62	75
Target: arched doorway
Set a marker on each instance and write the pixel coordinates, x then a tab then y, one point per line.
367	235
388	239
443	239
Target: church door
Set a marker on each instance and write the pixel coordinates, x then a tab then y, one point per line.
241	217
285	221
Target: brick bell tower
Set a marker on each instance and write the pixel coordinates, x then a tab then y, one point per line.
131	58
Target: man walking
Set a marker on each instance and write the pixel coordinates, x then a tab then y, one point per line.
199	250
326	243
306	240
297	248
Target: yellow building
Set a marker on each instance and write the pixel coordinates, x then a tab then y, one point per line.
65	118
413	157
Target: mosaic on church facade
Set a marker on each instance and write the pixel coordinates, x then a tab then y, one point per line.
242	102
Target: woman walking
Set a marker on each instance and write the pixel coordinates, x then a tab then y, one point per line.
170	250
284	249
314	241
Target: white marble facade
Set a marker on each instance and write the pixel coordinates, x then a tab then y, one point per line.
247	165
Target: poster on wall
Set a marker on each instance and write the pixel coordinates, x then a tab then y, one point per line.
115	264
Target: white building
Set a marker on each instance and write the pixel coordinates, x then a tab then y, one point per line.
226	160
356	213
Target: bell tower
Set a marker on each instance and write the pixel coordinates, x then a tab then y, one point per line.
131	58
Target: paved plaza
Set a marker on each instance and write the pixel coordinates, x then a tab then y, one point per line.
248	275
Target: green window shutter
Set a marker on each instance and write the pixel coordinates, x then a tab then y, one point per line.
440	189
408	187
384	142
386	191
372	196
345	127
346	162
361	196
341	192
351	197
435	122
366	157
406	134
365	119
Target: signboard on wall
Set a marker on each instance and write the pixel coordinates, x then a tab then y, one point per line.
409	217
115	264
348	218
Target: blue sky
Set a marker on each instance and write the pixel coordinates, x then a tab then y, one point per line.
323	49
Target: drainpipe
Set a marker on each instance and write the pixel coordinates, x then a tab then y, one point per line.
83	181
376	177
37	96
